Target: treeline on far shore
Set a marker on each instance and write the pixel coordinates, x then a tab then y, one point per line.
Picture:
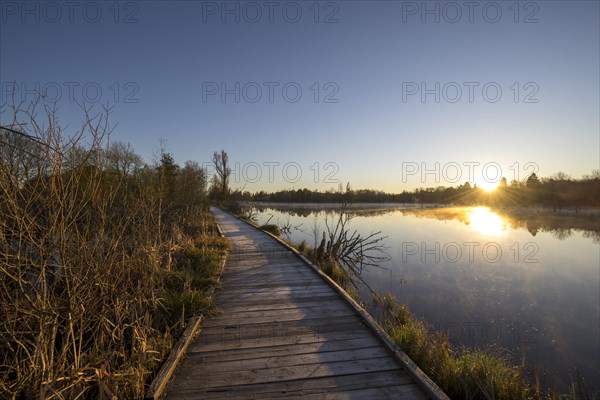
556	192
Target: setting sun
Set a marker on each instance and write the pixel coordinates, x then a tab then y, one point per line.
487	186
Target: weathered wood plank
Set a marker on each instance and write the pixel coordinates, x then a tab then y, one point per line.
297	290
292	309
281	300
275	304
388	392
282	291
267	272
314	326
298	295
219	342
287	360
275	340
257	262
197	377
301	387
273	316
159	385
258	278
297	283
301	348
318	329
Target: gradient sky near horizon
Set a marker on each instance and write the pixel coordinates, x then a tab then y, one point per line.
381	94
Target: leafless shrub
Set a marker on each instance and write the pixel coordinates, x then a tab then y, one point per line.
81	259
351	250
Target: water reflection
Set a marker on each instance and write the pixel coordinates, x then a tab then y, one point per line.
496	221
486	222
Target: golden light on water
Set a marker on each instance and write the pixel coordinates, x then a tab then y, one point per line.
487	223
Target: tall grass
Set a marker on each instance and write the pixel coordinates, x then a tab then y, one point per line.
99	266
464	373
197	266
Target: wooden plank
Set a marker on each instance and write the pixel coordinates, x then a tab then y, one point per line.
282	315
265	300
309	389
314	287
291	317
283	261
301	387
270	285
287	269
205	378
159	383
412	392
282	300
250	343
287	360
263	262
252	266
292	283
269	271
249	278
239	328
276	304
289	349
312	326
305	305
290	292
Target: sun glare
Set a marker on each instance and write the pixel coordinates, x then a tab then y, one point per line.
484	221
488	186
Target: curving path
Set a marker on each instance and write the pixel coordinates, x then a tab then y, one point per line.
284	332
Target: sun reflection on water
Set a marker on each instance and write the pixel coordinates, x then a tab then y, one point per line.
487	223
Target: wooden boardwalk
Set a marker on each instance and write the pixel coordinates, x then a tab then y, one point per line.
284	332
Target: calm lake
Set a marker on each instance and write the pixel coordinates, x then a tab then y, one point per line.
527	282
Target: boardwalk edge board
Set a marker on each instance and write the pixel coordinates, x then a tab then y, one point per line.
430	387
160	382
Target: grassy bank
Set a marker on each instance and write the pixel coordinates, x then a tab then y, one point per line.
100	323
465	373
197	265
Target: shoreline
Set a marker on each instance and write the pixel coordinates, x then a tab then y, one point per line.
519	210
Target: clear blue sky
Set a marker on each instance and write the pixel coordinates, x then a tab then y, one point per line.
372	58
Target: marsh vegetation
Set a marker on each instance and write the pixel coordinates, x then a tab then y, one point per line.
103	257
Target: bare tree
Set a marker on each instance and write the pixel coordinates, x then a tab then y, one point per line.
192	184
222	171
20	155
123	159
561	176
595	174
